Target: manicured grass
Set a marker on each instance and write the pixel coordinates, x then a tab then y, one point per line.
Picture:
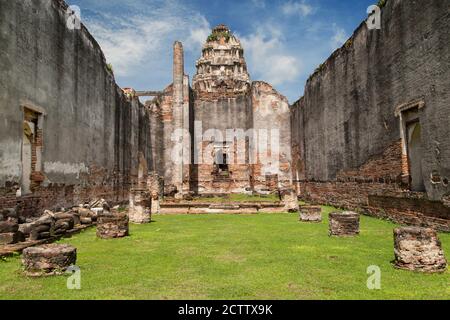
265	256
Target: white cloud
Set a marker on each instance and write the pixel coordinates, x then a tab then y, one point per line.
198	35
146	38
138	43
300	8
268	59
339	37
132	43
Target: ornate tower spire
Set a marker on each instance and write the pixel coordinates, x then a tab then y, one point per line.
221	70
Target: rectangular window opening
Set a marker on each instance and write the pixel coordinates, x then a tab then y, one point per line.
412	142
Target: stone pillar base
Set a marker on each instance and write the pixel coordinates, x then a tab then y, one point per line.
418	249
111	226
344	224
156	206
290	200
49	259
311	213
155	185
140	204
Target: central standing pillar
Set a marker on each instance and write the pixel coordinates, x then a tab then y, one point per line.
180	98
140	204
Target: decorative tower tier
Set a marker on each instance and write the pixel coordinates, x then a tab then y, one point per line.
222	70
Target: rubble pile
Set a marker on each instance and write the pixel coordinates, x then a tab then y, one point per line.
9	227
50	224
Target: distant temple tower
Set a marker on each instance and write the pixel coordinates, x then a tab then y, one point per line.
222	68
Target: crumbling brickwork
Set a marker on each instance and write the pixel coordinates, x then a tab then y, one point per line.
225	99
57	92
369	125
271	113
418	249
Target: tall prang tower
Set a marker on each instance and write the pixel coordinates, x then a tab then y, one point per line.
221	70
222	101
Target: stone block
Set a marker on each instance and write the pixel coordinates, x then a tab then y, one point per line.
64	224
8	226
8	214
38	232
49	259
76	219
85	220
311	213
418	249
11	238
290	200
155	206
140	206
344	223
88	213
112	226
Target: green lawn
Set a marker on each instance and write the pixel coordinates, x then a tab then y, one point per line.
265	256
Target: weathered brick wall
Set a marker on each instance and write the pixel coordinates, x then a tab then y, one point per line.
156	136
271	114
166	118
220	114
346	136
262	109
298	144
91	135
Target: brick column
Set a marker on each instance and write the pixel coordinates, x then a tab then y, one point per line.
140	204
179	112
155	186
418	249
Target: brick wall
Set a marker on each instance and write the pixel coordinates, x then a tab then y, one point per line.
87	134
348	146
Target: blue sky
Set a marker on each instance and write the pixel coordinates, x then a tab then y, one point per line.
284	40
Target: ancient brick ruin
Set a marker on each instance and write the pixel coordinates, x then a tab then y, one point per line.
371	133
112	225
418	249
139	209
217	119
49	259
311	214
344	224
